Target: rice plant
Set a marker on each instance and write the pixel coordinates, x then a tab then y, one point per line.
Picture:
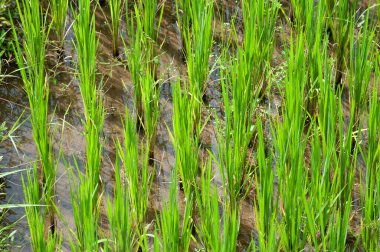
314	27
267	203
85	204
85	190
59	12
290	149
208	205
168	221
141	60
361	66
30	57
231	226
235	136
150	97
40	239
115	7
148	13
138	177
198	40
370	185
135	58
259	20
119	214
186	144
339	16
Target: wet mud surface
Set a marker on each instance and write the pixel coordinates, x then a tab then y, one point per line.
65	101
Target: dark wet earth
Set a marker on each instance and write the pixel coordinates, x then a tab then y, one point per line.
65	101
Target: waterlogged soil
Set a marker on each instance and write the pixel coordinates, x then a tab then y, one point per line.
66	114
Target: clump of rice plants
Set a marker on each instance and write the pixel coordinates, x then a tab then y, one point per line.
259	20
135	58
36	215
168	221
290	149
340	15
208	205
198	40
141	56
361	64
119	214
370	184
85	197
186	144
235	136
30	56
150	97
267	204
59	12
138	177
115	7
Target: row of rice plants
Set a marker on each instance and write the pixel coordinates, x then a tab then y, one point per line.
130	204
242	78
30	57
85	189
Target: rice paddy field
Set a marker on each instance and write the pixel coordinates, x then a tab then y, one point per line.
190	125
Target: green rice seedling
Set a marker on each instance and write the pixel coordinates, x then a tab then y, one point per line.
135	58
86	45
115	7
151	25
141	31
150	98
85	190
361	66
241	80
339	17
290	148
85	211
138	178
370	184
234	138
36	215
183	8
266	205
343	180
299	10
259	20
168	221
208	206
314	27
199	43
231	224
30	57
322	201
119	214
186	144
59	12
151	28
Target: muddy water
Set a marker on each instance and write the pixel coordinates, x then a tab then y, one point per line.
118	93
